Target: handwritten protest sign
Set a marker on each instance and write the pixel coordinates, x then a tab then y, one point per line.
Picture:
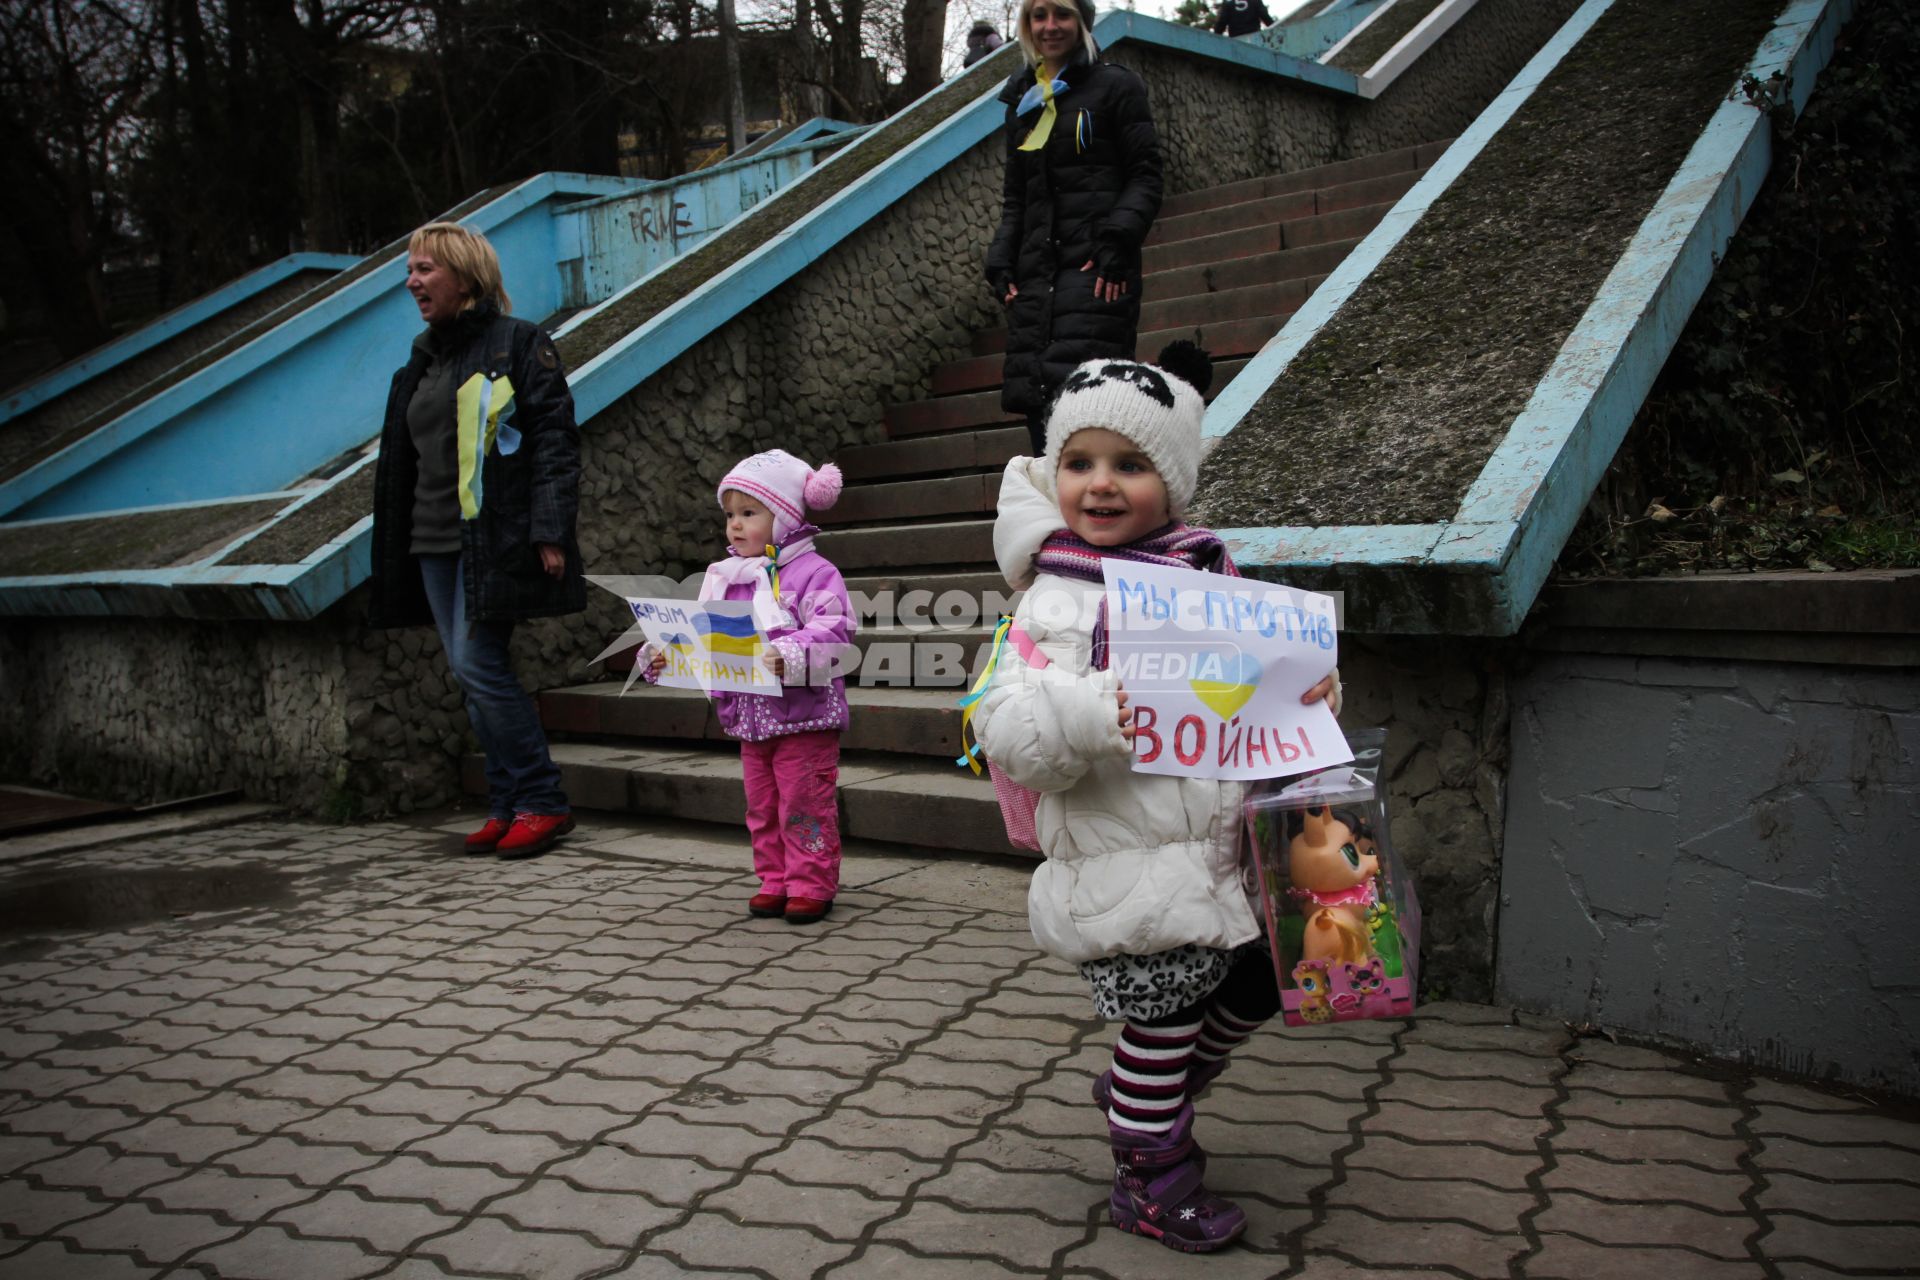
711	645
1214	667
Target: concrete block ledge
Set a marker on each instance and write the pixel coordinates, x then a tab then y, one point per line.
1866	618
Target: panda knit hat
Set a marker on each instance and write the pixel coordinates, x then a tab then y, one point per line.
788	486
1158	408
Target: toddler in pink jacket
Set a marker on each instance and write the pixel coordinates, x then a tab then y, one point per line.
790	745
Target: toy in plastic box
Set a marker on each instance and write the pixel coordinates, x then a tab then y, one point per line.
1340	909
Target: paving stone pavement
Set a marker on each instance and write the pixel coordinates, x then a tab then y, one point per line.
280	1051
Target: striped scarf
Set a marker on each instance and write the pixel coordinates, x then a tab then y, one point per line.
1173	546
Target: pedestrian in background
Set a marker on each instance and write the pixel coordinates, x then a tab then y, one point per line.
1241	17
981	41
1081	191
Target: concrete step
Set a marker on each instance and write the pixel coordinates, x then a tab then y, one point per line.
1232	217
1313	262
974	432
925	455
1343	227
1348	224
968	542
978	373
1226	337
922	655
910	800
973	593
948	413
910	499
1280	298
1197	311
909	720
975	373
1230	338
1290	207
1340	173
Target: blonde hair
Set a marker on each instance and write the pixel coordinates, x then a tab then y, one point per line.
1023	31
466	253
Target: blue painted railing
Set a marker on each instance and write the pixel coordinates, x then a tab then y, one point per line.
1500	544
294	398
608	242
1309	38
74	373
312	388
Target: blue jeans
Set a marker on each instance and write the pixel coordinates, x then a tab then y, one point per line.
521	775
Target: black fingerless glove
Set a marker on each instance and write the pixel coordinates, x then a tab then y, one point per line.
1114	262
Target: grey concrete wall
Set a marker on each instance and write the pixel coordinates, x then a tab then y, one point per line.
1720	852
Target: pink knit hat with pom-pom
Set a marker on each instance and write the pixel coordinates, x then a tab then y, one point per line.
788	486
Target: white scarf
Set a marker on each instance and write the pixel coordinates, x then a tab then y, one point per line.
768	612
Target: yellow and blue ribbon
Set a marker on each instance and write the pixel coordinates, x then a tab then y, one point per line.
773	570
1043	91
970	756
477	408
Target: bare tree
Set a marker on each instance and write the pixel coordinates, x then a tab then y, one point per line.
71	74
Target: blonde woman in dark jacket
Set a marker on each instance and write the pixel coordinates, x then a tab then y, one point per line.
475	498
1082	189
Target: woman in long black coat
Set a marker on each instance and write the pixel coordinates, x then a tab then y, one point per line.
1082	188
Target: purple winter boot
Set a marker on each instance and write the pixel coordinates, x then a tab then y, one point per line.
1157	1190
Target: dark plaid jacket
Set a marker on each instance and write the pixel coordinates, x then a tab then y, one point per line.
528	496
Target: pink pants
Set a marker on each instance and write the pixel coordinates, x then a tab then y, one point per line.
793	812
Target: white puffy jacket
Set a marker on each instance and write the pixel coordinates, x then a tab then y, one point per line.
1136	863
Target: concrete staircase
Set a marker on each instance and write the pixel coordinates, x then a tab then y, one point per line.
1224	267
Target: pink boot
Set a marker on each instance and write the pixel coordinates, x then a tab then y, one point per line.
1157	1190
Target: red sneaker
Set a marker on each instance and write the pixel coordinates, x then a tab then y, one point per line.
532	832
807	910
766	906
487	838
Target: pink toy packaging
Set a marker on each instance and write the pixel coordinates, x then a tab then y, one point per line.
1340	909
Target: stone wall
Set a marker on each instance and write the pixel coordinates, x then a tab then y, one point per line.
1720	852
139	709
1219	123
1443	703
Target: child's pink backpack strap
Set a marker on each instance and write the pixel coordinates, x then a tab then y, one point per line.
1017	803
1023	644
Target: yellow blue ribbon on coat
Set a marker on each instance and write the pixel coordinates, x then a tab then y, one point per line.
477	409
1043	91
970	756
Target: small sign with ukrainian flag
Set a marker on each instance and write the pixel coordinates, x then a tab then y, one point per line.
711	645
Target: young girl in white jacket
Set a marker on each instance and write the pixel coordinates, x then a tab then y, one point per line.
1142	885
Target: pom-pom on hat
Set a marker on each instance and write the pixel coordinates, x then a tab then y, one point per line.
788	486
1158	408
